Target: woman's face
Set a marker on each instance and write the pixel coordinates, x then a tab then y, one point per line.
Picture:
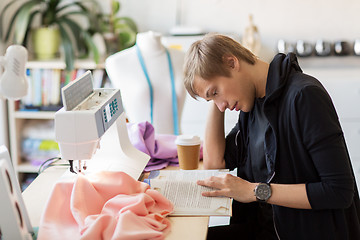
236	92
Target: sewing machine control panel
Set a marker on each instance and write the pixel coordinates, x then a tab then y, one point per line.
110	110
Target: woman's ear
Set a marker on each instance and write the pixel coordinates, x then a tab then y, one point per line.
231	62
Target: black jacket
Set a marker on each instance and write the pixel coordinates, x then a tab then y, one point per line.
304	144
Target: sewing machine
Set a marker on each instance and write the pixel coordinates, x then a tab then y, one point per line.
87	114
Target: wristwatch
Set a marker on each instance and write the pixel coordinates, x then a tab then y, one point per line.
262	192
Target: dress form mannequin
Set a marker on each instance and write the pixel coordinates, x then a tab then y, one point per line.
125	72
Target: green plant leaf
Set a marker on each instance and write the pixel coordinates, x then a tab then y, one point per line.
128	21
60	11
81	37
15	17
115	7
28	30
2	15
79	4
74	13
12	22
76	31
127	39
121	27
68	49
74	36
126	33
22	21
91	45
49	14
73	29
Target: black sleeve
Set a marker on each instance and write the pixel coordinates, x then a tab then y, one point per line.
323	138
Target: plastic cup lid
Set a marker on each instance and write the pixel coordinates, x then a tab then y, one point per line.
187	140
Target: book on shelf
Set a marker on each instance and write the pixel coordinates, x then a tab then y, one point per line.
45	87
180	187
55	92
27	100
37	87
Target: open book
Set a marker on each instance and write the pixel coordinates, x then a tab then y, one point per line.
179	186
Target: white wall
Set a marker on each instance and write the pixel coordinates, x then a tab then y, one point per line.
288	19
291	20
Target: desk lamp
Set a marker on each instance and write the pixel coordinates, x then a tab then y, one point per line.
13	82
14	220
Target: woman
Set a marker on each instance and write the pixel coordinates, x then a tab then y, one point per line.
294	175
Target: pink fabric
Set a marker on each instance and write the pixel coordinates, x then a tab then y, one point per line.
105	205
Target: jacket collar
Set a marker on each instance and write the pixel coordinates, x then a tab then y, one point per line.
279	71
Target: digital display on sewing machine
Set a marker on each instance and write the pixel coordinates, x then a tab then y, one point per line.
110	110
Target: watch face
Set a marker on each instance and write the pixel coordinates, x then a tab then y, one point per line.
263	192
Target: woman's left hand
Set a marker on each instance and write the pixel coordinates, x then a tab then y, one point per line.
229	186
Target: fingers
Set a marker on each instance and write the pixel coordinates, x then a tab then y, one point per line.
211	192
215	190
212	182
228	186
216	193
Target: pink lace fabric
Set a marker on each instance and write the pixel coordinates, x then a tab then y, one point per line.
105	205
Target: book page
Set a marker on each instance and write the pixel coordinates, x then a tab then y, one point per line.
180	187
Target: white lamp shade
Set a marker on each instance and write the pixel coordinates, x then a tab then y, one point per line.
13	82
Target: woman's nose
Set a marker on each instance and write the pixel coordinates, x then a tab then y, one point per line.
221	105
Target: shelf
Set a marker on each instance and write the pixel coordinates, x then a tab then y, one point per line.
331	62
34	115
60	64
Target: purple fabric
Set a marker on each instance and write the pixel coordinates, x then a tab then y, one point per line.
160	147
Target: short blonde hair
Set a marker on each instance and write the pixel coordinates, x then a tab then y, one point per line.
205	59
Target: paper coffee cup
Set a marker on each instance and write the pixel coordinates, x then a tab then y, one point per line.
188	149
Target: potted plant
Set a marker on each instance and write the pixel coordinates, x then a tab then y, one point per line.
118	32
56	16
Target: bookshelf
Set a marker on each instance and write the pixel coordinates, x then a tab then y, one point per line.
19	116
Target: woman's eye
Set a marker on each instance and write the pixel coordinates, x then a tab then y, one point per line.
215	93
